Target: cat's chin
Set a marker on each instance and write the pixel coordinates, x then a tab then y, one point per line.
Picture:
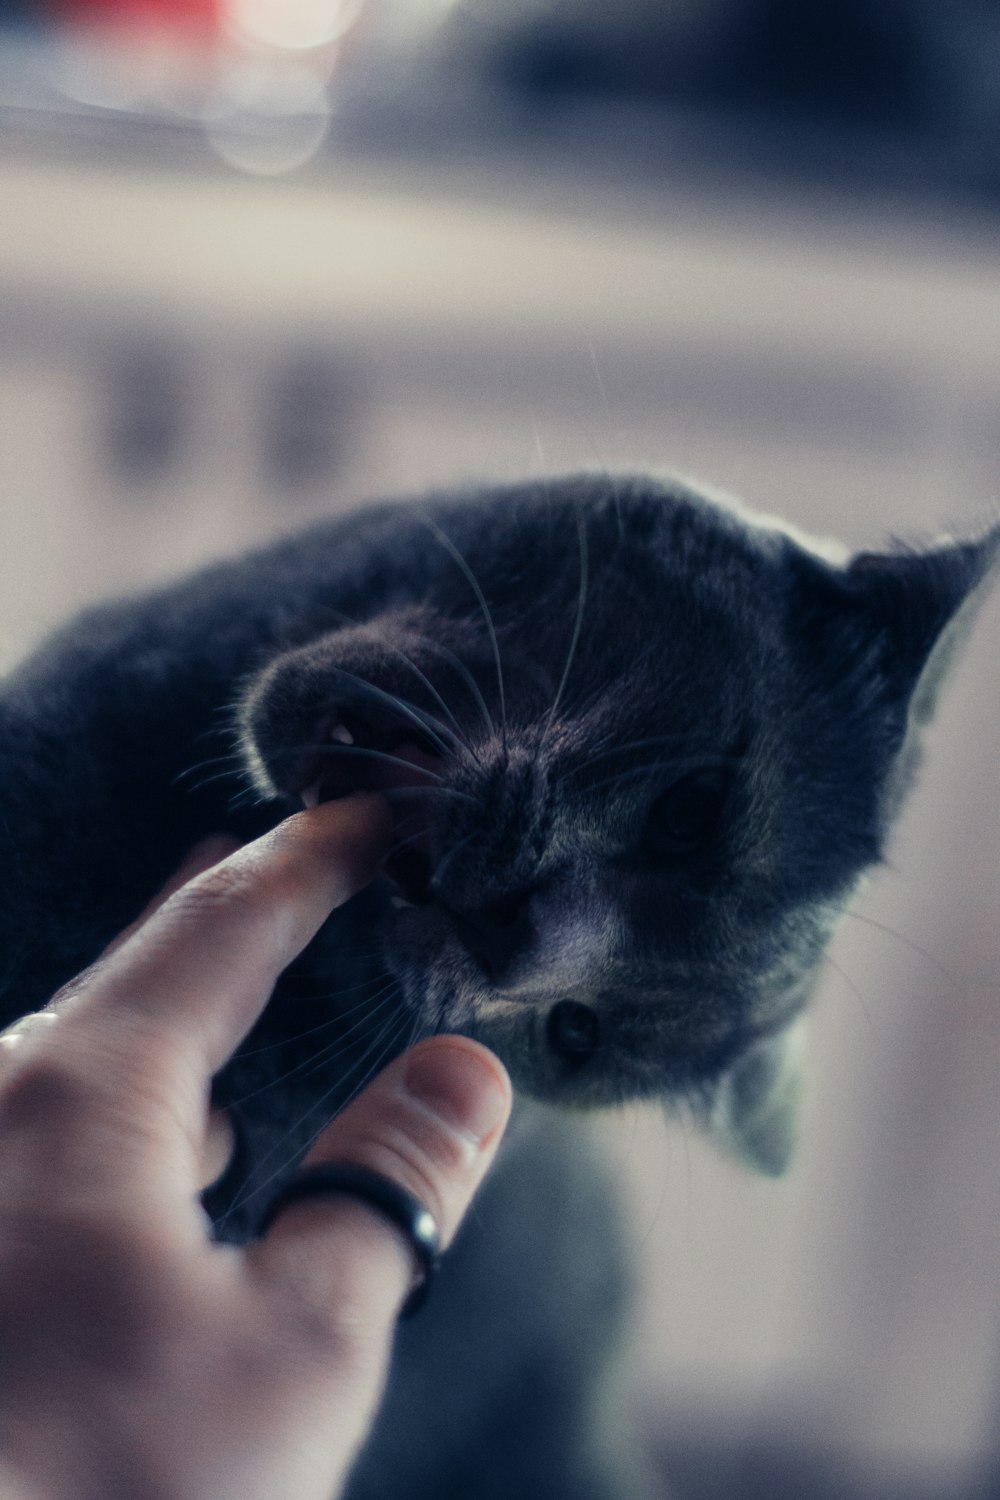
549	1080
553	1055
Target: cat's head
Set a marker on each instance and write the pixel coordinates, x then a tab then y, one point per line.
640	750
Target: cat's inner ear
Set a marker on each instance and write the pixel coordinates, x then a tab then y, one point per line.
922	605
755	1110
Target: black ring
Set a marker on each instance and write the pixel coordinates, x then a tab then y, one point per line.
404	1212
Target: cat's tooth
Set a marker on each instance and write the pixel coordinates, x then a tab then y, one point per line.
341	734
310	795
400	903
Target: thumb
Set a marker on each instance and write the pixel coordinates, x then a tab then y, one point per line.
431	1122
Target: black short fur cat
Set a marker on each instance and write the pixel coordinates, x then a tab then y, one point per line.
640	746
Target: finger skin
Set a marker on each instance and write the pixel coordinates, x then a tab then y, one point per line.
198	859
243	1375
125	1071
432	1122
202	857
207	961
139	1359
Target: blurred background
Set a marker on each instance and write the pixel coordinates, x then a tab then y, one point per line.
260	259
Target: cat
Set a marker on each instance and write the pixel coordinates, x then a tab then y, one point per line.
640	746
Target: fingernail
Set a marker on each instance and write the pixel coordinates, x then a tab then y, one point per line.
465	1086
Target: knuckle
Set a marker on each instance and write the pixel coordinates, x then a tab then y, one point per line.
47	1087
398	1156
224	888
415	1148
78	985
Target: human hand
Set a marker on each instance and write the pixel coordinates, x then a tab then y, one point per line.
140	1360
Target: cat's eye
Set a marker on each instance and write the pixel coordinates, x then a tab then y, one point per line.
686	816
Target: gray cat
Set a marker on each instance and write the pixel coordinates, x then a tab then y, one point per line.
640	747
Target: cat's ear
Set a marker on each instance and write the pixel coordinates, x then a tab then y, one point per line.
873	640
891	620
920	605
755	1109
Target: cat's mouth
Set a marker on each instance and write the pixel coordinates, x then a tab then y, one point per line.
357	758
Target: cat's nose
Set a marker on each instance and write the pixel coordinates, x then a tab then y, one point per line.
573	1031
495	931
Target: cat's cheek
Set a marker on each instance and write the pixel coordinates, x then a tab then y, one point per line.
415	949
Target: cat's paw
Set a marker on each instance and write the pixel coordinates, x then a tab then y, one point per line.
355	710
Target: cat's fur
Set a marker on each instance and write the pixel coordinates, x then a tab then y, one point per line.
640	749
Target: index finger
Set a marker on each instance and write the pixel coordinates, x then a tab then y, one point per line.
204	965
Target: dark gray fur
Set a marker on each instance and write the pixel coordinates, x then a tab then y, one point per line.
572	650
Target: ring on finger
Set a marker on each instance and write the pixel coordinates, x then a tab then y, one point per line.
405	1213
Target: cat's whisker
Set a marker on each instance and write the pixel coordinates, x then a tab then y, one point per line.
459	666
247	1194
581	600
434	786
335	1020
627	746
421	676
661	1201
231	765
232	759
955	980
415	1033
326	1055
315	1063
363	954
371	1063
427	723
250	796
577	705
843	974
213	780
411	838
656	768
446	859
318	1060
396	792
434	778
473	582
219	727
390	1050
